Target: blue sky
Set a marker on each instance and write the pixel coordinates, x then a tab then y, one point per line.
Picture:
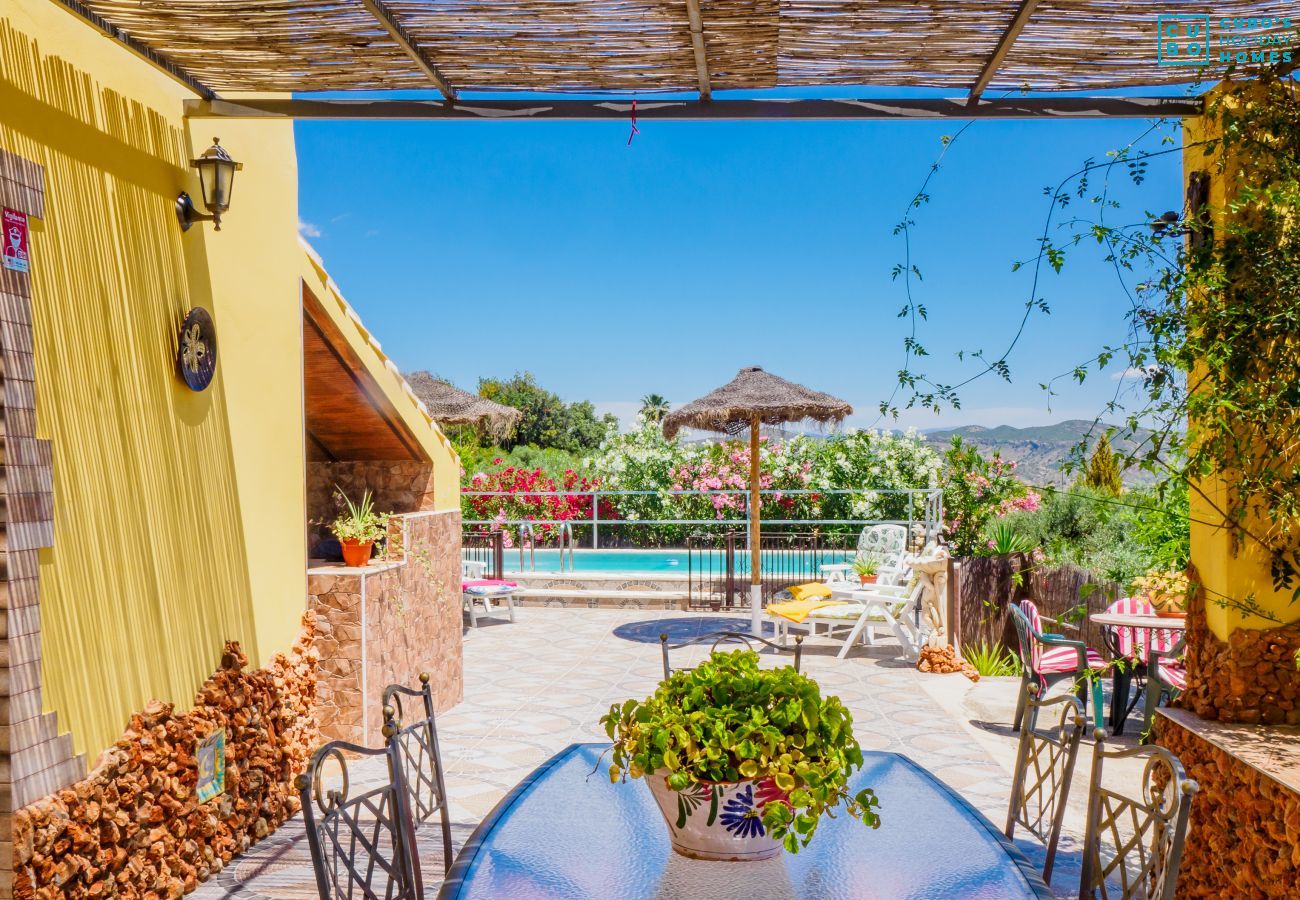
610	271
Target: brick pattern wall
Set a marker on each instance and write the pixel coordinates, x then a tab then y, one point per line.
389	626
135	829
1244	836
1252	677
398	487
34	758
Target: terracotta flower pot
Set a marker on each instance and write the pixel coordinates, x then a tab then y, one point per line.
868	579
718	821
357	553
1167	605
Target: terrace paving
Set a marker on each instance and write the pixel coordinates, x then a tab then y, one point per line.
534	687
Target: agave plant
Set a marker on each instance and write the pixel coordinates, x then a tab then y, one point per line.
1002	538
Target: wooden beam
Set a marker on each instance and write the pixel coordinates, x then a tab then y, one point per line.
697	45
144	51
380	11
921	109
994	62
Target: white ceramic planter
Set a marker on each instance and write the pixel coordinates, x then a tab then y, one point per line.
718	821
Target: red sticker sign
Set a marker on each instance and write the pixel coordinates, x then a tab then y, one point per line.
15	250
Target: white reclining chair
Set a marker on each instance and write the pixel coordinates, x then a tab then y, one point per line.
486	595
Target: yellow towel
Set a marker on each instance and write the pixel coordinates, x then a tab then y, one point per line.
813	590
798	610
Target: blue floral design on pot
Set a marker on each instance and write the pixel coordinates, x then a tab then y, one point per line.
740	816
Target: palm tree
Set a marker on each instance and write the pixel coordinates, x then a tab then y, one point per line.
654	407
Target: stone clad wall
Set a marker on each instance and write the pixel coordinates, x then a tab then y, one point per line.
1244	836
1252	677
400	487
389	626
134	826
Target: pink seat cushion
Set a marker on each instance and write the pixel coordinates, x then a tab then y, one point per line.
487	582
1174	674
1066	659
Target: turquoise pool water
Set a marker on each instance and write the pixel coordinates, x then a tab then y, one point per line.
662	562
657	562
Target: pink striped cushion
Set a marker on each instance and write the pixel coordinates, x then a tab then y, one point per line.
1133	643
1066	659
1174	673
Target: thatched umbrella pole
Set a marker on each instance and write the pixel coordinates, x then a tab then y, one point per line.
755	398
755	550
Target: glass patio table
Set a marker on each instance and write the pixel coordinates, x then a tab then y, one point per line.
566	833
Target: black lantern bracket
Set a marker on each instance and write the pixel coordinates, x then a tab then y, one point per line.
216	178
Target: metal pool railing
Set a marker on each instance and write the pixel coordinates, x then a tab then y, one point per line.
914	507
718	566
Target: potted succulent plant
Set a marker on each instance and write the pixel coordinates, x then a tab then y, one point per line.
1166	592
741	761
866	568
359	528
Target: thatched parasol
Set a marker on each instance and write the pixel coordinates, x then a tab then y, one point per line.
752	399
449	405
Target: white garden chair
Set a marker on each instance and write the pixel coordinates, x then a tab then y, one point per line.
488	596
887	545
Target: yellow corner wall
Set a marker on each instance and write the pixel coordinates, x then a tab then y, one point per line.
387	377
1226	570
178	516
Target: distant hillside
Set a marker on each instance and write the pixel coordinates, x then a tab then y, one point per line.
1040	450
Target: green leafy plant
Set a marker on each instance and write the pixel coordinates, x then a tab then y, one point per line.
729	720
992	661
865	566
359	521
1002	537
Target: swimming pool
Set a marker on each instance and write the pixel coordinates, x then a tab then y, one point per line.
661	562
657	562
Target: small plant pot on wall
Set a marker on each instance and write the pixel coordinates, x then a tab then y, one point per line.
868	579
357	553
719	821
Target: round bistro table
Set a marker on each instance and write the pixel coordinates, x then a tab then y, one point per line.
1121	677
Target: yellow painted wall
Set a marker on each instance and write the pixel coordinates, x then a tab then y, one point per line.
1226	570
178	516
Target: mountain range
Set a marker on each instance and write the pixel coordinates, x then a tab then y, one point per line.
1038	449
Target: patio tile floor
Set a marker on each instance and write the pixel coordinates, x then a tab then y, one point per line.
535	686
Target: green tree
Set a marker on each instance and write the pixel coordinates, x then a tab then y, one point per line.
547	420
1103	471
654	407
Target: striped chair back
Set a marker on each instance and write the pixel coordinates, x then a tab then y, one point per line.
1030	609
1132	643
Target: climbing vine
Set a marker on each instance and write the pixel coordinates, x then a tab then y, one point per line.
1213	333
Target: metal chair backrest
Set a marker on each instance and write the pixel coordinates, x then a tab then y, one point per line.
1136	842
1026	630
1049	745
728	637
363	846
415	739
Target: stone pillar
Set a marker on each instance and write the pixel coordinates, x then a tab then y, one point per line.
35	759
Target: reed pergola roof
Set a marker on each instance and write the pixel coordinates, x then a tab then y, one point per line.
449	405
648	45
755	394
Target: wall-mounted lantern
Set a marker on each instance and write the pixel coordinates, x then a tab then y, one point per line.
217	179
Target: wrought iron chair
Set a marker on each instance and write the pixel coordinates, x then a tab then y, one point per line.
418	755
1166	674
1049	658
1144	835
725	637
1044	768
362	847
